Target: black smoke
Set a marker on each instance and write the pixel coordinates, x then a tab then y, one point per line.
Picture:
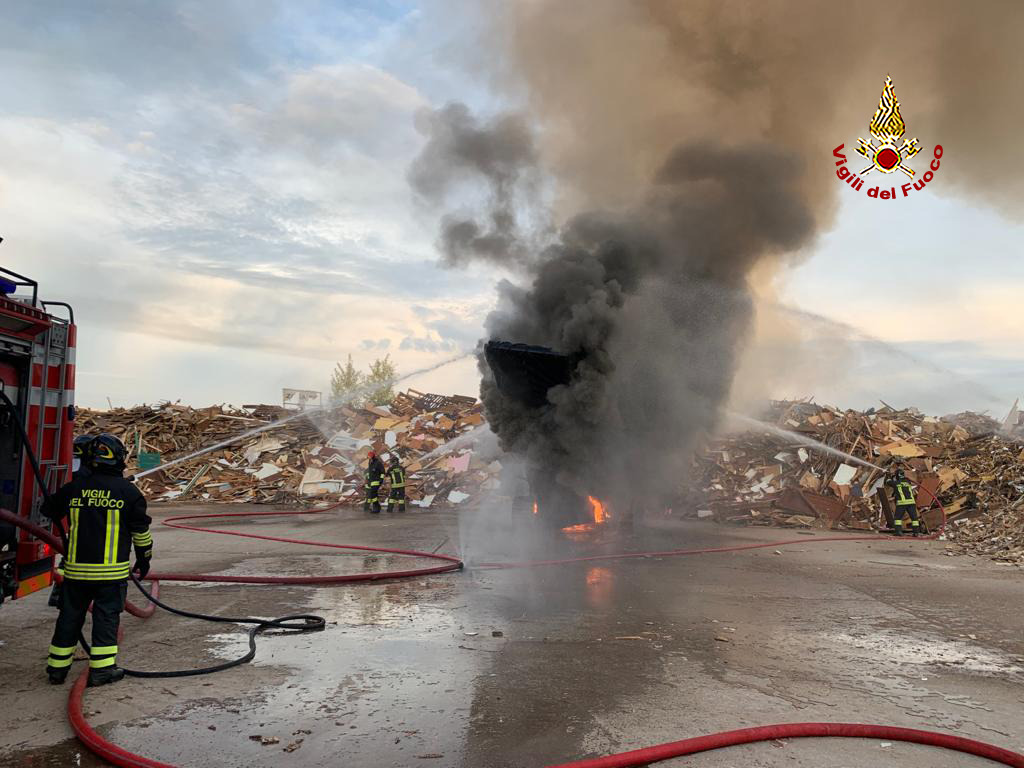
653	299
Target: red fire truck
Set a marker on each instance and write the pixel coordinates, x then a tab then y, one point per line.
37	375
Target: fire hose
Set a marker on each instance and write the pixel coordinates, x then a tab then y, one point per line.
641	757
306	623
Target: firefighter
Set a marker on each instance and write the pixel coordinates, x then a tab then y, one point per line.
108	516
396	478
903	496
79	468
80	460
373	479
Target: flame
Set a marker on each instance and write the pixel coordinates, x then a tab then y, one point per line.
535	510
598	510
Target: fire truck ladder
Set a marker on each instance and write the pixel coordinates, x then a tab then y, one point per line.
54	472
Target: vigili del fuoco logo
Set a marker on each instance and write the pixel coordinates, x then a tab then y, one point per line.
886	153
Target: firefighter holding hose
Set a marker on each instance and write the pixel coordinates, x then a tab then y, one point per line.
107	517
906	504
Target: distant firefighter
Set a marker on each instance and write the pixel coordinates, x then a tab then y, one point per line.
374	476
396	478
906	504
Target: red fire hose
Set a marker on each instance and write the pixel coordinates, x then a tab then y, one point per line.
642	757
120	757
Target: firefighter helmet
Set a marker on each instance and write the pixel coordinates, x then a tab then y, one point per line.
371	455
108	451
81	447
395	460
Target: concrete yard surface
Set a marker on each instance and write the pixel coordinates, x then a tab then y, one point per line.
515	668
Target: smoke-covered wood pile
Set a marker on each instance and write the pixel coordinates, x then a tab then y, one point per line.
762	478
319	455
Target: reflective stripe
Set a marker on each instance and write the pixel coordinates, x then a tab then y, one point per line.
56	650
100	663
915	523
904	494
142	539
96	571
899	521
73	535
59	663
104	650
110	543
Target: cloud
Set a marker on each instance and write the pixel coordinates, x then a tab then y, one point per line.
200	180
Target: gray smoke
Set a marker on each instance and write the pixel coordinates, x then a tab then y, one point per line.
652	298
683	145
502	157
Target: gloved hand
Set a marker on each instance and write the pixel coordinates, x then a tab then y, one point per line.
141	567
142	558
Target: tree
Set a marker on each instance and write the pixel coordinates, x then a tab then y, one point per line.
345	382
381	381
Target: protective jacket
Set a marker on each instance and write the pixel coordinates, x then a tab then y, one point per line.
375	470
107	516
903	492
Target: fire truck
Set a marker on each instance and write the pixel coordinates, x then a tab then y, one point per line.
37	413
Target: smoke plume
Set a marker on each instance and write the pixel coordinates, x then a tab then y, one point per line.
680	149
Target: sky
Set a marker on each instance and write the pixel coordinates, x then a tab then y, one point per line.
220	191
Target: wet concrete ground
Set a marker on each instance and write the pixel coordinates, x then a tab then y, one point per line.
503	668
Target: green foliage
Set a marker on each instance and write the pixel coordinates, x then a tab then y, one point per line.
345	381
380	381
375	387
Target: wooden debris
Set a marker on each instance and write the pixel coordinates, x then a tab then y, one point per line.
322	455
758	478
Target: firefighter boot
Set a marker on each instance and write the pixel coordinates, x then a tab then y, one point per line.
57	675
105	676
376	508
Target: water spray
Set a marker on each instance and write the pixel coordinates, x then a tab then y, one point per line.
796	437
355	394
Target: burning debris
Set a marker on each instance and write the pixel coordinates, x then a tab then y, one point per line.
663	166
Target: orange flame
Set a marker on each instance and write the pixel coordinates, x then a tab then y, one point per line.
598	510
535	510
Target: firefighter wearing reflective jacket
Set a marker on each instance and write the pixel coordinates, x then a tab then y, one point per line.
374	477
79	468
903	496
396	479
107	516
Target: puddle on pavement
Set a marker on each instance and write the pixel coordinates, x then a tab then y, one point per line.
64	755
385	684
917	648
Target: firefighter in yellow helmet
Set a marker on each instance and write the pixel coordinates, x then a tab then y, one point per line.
107	517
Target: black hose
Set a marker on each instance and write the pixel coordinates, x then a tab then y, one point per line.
28	445
299	622
310	623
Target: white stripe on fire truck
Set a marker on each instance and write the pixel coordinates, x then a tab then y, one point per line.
53	397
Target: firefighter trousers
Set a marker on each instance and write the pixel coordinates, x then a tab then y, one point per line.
372	501
396	500
107	598
910	510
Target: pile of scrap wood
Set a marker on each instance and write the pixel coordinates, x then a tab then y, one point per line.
763	478
318	453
